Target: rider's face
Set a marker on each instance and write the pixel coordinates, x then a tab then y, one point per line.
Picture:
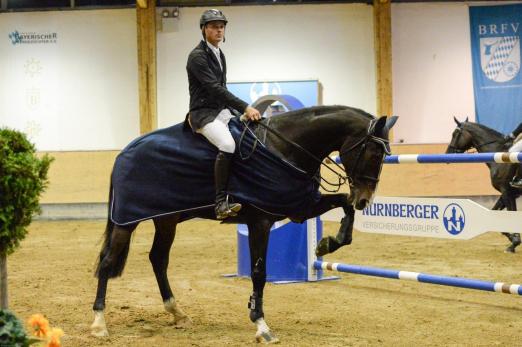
214	32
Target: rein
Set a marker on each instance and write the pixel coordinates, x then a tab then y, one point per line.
341	179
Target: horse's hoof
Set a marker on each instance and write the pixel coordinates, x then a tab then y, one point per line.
510	249
98	331
323	247
182	322
266	338
98	327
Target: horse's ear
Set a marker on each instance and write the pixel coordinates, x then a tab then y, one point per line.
380	129
457	121
390	122
466	120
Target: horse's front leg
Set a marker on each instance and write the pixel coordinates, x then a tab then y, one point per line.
159	258
258	235
328	202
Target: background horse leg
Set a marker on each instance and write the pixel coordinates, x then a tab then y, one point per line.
500	205
509	200
159	257
111	263
258	235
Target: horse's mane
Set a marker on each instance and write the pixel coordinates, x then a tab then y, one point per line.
490	131
316	111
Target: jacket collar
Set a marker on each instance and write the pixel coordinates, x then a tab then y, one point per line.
203	45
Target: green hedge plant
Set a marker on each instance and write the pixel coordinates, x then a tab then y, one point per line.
23	177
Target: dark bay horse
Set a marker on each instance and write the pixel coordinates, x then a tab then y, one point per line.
469	135
362	142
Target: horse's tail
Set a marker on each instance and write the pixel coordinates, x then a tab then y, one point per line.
116	266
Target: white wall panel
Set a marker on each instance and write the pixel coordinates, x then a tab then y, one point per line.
432	76
80	93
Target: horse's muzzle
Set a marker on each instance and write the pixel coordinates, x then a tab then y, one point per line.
361	204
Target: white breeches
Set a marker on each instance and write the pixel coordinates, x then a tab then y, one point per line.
217	132
517	146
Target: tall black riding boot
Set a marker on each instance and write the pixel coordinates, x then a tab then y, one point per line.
221	171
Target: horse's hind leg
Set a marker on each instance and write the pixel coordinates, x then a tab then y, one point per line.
111	263
159	257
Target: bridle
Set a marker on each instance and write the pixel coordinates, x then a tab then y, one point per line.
362	144
341	179
459	131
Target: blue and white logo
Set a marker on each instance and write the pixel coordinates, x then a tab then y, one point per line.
18	38
15	37
260	89
500	57
454	219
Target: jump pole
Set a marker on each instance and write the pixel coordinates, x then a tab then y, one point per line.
421	277
468	283
499	157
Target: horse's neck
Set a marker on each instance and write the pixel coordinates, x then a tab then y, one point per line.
319	135
486	142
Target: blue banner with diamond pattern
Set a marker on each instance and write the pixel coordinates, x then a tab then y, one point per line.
495	50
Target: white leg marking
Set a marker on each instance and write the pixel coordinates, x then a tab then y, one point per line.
263	333
181	320
98	327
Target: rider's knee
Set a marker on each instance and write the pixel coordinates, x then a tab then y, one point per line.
227	145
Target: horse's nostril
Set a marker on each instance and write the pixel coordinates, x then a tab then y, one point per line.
361	204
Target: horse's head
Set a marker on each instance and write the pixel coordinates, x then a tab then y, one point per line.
461	139
363	160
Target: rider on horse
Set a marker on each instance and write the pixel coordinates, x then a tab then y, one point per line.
516	147
211	104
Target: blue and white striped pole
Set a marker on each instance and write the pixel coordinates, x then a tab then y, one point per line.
499	157
421	277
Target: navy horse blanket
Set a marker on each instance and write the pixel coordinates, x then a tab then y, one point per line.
172	170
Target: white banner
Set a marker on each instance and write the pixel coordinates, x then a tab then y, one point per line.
430	217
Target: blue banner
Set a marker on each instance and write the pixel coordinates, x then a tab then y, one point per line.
497	81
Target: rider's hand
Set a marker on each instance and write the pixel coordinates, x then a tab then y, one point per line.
252	113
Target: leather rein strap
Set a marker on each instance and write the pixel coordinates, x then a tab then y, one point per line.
341	178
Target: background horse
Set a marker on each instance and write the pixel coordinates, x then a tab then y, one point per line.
310	135
472	135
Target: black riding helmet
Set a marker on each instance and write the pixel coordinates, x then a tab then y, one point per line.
211	16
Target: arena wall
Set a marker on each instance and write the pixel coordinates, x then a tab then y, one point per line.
91	112
83	177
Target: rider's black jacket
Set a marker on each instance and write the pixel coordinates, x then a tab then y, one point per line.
208	87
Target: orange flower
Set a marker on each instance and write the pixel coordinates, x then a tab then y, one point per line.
54	338
39	325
